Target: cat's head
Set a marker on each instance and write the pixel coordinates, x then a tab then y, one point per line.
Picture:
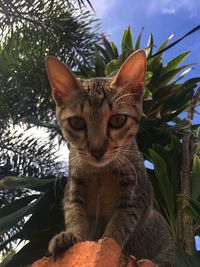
99	116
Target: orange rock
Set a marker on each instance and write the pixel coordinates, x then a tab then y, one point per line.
42	262
146	263
102	253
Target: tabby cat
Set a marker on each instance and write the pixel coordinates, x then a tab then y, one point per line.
108	192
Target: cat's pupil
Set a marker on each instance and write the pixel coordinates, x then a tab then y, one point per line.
77	123
117	121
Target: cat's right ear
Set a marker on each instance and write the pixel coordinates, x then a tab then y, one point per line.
62	80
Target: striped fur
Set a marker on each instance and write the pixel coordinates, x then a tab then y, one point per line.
108	193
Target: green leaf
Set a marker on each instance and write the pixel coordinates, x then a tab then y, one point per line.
176	99
196	177
14	182
165	43
185	260
8	221
123	40
137	45
103	52
155	66
108	48
99	64
193	208
182	75
115	50
176	61
127	40
191	83
44	218
163	180
165	78
150	44
17	204
111	67
27	254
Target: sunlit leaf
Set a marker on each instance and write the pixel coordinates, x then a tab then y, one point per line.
111	67
150	44
17	204
163	45
175	62
24	182
137	45
8	221
127	40
166	77
115	50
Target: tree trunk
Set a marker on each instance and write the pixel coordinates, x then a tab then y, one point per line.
184	222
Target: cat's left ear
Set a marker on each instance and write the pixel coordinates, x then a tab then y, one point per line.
131	75
62	80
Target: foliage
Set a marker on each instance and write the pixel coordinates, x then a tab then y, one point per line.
46	218
14	12
22	154
167	95
48	27
30	30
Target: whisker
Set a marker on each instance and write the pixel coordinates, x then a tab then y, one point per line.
122	96
119	90
117	164
57	180
132	168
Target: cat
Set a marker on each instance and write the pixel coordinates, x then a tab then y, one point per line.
108	192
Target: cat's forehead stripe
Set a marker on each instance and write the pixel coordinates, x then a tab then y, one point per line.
96	91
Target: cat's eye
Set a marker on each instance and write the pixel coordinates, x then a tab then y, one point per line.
117	121
77	123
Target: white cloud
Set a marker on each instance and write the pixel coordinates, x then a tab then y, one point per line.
169	10
171	7
102	7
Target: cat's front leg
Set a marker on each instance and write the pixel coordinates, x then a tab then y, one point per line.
134	206
75	218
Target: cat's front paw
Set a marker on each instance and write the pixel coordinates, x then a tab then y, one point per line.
62	241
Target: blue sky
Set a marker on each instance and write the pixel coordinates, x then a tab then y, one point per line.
159	17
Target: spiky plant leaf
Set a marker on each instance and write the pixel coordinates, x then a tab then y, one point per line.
137	44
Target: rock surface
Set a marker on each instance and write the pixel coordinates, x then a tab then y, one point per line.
103	253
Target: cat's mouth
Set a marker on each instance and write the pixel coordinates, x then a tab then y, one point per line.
99	159
101	162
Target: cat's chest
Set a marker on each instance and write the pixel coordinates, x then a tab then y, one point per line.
102	196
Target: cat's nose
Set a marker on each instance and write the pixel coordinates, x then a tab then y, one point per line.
98	153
